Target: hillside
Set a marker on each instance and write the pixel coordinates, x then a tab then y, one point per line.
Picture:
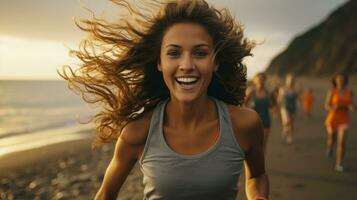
325	49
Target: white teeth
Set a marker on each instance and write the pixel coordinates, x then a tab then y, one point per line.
187	79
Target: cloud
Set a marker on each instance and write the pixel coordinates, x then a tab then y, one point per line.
29	58
48	19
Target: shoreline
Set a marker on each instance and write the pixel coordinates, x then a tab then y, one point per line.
22	159
17	143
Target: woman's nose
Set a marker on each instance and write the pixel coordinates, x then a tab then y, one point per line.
187	63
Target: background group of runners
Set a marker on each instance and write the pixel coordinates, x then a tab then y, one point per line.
283	101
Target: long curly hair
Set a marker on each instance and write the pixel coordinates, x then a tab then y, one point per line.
119	60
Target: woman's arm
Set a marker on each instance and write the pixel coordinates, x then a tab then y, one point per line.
249	133
257	183
328	101
280	99
127	151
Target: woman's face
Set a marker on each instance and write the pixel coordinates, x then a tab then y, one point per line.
290	80
340	81
259	81
187	61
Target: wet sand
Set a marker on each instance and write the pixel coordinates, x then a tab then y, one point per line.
300	170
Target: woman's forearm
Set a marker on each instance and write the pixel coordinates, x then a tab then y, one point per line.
257	187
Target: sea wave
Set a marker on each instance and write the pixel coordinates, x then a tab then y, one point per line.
16	143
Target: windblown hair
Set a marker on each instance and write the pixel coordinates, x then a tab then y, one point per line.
119	60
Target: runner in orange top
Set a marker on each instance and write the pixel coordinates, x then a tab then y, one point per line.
307	102
338	116
338	103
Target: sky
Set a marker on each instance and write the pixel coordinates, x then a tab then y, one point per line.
36	35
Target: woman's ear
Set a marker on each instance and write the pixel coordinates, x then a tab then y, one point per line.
215	67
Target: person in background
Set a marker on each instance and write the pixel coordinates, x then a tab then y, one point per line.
261	101
307	102
287	99
171	81
339	101
274	81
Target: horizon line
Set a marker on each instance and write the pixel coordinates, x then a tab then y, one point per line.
28	78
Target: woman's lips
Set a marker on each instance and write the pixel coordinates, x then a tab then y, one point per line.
187	83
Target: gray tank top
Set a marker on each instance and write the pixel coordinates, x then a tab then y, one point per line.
212	174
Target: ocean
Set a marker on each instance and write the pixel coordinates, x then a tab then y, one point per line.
37	113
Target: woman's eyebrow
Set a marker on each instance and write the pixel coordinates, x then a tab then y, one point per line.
173	45
196	46
202	45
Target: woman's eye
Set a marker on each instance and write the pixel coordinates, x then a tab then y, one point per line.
173	53
200	53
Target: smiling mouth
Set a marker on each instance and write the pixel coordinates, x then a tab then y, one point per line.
186	80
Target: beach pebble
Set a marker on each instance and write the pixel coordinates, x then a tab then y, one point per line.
75	192
84	167
72	176
35	183
42	194
59	196
9	197
62	164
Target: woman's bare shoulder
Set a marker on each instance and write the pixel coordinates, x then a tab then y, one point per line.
243	118
246	125
136	132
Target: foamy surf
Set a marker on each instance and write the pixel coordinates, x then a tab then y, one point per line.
38	139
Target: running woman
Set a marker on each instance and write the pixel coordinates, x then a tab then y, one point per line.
287	99
339	101
261	100
171	81
307	102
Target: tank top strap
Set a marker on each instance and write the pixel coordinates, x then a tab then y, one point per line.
153	141
228	137
254	94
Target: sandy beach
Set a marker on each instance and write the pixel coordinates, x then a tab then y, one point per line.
71	170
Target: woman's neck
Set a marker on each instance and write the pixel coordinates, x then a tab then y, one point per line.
259	88
189	114
290	87
341	88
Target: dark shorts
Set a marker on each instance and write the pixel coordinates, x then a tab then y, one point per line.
265	117
291	109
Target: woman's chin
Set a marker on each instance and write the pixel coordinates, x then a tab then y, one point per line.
187	97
